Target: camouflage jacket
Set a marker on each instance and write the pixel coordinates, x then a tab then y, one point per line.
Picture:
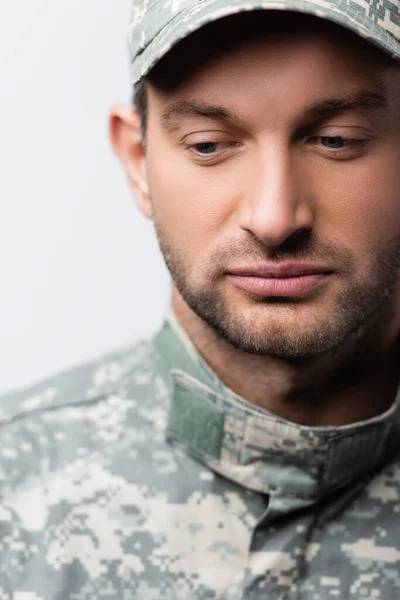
141	476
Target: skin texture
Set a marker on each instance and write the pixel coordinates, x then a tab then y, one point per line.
277	185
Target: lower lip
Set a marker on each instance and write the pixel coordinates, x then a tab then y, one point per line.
285	287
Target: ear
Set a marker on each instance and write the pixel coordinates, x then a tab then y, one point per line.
127	140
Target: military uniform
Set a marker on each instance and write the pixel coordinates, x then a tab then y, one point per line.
143	477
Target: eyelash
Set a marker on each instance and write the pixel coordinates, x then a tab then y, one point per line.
192	147
348	143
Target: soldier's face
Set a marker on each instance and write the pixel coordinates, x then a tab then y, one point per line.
242	172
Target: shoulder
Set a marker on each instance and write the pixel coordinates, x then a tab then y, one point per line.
88	418
81	384
81	455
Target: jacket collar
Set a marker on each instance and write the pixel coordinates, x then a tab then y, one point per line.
255	448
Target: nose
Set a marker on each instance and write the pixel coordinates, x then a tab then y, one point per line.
274	204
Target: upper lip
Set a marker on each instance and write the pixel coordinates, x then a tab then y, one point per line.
281	270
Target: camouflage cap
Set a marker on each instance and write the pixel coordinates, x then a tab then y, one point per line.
157	25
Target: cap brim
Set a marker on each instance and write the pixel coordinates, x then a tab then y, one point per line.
195	16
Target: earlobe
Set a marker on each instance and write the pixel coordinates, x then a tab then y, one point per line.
127	140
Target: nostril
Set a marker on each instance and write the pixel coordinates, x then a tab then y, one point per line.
298	240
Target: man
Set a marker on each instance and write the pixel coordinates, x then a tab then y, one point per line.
251	449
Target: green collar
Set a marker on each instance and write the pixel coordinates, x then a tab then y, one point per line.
253	447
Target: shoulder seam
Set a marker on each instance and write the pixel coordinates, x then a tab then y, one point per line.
109	390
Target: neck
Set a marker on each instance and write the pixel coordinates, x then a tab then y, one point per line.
356	382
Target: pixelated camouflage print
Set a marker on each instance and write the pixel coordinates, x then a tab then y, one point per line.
157	25
102	498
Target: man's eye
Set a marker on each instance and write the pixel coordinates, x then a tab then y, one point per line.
338	142
209	149
205	147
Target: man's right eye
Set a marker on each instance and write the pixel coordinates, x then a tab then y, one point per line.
205	148
209	150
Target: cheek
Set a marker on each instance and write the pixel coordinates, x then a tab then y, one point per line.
192	203
362	201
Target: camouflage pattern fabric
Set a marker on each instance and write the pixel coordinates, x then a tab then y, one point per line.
141	476
157	25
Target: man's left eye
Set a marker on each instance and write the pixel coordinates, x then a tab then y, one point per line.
332	142
338	142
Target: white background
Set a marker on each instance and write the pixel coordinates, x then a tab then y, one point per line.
80	268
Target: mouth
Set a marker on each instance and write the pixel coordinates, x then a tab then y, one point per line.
280	280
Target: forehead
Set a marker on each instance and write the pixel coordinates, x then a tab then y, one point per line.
273	62
268	32
279	73
278	65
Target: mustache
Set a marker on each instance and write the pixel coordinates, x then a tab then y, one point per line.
248	251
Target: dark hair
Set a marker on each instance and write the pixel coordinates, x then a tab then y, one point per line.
140	103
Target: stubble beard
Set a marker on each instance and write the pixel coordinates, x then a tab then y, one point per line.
330	338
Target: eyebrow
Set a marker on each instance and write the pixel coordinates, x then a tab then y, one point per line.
173	114
364	99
